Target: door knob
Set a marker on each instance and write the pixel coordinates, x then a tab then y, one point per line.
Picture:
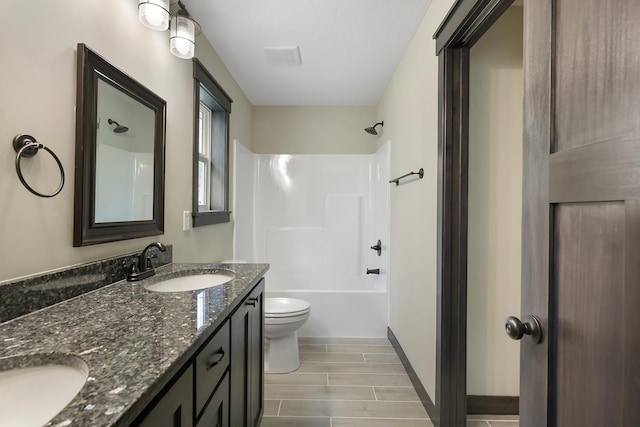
516	329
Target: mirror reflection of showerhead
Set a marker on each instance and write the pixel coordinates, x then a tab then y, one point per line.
372	130
118	128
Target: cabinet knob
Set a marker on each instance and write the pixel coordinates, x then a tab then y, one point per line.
215	359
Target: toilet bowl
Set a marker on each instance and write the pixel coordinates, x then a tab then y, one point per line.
282	318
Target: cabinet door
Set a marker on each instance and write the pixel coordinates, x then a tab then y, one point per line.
216	414
256	359
175	407
247	357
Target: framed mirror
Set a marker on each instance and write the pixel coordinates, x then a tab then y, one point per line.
120	155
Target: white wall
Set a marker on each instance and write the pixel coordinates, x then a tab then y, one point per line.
38	96
495	207
313	130
409	108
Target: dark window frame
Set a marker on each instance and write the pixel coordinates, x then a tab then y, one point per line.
203	79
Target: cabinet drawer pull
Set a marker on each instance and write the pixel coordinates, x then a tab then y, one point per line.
215	359
252	301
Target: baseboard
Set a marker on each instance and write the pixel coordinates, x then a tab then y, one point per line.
493	405
422	393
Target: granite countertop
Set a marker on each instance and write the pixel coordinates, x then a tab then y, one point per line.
132	339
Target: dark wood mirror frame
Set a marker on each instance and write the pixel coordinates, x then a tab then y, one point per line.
91	67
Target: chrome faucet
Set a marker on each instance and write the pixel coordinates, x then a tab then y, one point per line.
142	268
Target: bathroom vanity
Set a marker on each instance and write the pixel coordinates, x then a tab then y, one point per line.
187	358
222	393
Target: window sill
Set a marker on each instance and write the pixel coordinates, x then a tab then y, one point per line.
209	218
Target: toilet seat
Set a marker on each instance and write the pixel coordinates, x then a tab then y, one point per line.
285	315
285	307
286	320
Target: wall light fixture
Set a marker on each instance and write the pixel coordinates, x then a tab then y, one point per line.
182	38
156	14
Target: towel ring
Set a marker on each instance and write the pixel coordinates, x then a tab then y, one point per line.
27	146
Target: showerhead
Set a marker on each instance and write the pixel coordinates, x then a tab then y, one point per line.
118	128
372	130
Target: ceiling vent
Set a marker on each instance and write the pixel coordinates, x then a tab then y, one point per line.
283	55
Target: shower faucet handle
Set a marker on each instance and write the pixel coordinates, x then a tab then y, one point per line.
377	247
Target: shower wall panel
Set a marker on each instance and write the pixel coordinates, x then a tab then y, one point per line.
311	220
315	218
133	171
243	202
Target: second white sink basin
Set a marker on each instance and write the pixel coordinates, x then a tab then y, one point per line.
192	283
33	395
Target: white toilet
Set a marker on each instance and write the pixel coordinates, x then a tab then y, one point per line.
282	318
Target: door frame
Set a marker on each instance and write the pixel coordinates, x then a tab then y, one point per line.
464	24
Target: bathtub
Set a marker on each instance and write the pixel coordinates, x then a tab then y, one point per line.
338	312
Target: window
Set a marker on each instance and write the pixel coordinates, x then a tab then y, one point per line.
211	150
204	158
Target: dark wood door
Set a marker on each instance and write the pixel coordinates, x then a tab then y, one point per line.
581	223
256	361
216	414
247	360
240	357
175	407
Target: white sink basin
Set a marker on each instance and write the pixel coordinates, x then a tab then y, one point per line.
31	396
192	283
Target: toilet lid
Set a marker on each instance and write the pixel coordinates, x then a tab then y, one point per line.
285	306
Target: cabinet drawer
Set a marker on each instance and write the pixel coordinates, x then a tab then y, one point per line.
211	364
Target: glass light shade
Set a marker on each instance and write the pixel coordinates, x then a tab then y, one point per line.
182	39
154	14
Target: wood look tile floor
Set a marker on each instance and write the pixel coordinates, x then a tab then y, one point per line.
350	382
493	421
344	382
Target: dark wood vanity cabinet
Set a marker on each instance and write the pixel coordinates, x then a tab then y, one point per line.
222	385
175	407
216	414
211	365
247	362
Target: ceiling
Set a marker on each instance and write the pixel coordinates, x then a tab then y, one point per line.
349	48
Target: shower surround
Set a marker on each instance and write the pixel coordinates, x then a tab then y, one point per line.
313	218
